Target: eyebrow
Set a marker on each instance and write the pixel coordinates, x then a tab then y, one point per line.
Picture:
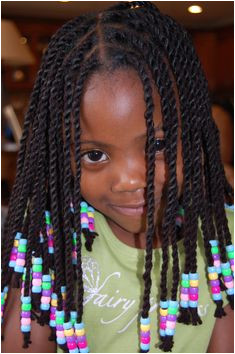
99	143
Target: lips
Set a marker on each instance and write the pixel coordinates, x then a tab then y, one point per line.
130	209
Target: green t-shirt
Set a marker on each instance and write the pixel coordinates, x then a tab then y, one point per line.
113	285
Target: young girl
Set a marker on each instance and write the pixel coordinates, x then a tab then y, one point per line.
119	163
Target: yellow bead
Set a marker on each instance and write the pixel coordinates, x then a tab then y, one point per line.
213	276
68	332
63	296
144	328
80	332
90	214
193	283
163	312
54	302
16	243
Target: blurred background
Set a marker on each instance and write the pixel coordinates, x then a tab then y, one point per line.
26	28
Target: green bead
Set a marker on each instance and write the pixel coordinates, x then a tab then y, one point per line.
83	210
37	268
48	221
46	285
2	301
226	271
214	250
172	310
74	242
26	307
59	320
185	283
231	255
181	211
22	248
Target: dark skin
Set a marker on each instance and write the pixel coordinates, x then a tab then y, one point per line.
115	105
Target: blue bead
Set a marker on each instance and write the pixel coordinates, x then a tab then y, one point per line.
184	304
229	248
74	350
217	297
60	340
51	250
83	205
47	213
85	226
211	269
85	350
19	269
164	304
144	346
5	290
63	289
229	207
169	332
12	264
52	323
23	241
25	328
26	299
162	332
225	265
218	270
79	325
67	325
193	276
230	291
37	260
46	278
193	304
54	296
45	307
185	276
145	321
59	313
36	289
173	304
18	235
92	210
73	315
213	243
74	261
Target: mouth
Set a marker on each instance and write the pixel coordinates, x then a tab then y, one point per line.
130	209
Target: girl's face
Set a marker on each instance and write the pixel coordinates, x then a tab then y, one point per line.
113	138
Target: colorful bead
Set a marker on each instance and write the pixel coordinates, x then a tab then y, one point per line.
37	275
171	317
214	283
49	231
193	290
80	332
184	291
70	336
3	300
60	337
215	255
163	317
25	314
20	260
14	251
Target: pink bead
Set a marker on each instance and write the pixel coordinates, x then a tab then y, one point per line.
184	297
82	345
20	262
25	321
163	325
92	227
45	299
71	345
60	334
84	220
50	243
52	317
232	267
145	340
229	284
37	282
217	263
215	289
193	297
13	257
170	324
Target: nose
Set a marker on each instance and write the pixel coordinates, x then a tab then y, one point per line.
129	175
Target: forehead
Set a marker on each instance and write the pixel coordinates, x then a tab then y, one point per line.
113	105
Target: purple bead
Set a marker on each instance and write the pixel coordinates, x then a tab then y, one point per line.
37	275
193	290
2	307
25	314
71	339
162	318
231	261
171	318
228	278
216	257
53	309
145	334
46	292
214	282
83	215
21	255
184	290
14	250
91	220
59	327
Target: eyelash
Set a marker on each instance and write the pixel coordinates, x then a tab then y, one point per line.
159	144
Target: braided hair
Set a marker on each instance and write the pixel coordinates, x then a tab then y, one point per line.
128	35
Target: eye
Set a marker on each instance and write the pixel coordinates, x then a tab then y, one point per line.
159	145
94	156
